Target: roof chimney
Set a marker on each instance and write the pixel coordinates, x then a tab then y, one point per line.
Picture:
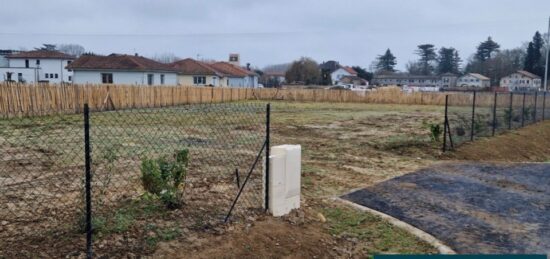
136	54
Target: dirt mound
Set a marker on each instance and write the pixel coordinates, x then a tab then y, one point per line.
266	238
529	144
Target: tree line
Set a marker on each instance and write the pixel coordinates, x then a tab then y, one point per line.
488	60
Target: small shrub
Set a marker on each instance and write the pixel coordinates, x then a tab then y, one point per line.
435	132
527	112
162	177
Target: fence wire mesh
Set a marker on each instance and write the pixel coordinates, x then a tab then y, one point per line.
484	114
135	159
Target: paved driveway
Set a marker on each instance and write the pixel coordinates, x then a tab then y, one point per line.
473	208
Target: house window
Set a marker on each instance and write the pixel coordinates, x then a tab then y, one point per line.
56	75
162	79
38	62
47	75
199	80
106	78
51	75
70	78
150	79
26	63
20	77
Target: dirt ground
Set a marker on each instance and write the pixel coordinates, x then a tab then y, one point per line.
345	146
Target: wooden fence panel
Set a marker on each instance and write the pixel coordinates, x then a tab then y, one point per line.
40	99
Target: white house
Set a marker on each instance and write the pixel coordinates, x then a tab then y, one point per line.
122	69
197	73
341	72
236	76
37	66
473	80
521	81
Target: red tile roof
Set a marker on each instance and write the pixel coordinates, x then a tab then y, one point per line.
190	66
350	70
230	70
45	54
118	62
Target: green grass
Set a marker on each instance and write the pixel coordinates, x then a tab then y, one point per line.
378	236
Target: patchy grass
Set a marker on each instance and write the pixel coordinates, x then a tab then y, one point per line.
376	235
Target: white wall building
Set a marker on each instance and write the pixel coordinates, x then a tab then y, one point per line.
236	76
521	81
122	69
37	66
473	80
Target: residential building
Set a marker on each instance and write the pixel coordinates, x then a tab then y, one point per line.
354	80
336	71
36	66
473	80
341	72
4	53
448	80
196	73
521	81
122	69
404	79
236	76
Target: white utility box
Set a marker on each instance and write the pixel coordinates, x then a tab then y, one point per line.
285	163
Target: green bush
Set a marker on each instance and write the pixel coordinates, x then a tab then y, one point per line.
163	176
435	132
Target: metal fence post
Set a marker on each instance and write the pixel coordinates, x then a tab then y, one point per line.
473	117
88	185
535	111
511	111
523	111
445	124
495	114
543	105
267	146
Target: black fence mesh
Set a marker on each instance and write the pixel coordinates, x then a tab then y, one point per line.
484	114
139	157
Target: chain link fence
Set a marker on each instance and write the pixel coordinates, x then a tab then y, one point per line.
484	114
155	173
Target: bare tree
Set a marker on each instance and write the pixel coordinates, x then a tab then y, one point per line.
165	57
304	70
71	49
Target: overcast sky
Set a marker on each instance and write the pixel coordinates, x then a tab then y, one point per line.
266	32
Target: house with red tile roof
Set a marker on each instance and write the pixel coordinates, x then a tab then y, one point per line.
197	73
122	69
341	72
236	76
36	66
336	71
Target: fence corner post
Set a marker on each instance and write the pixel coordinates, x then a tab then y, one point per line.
523	110
495	114
267	147
473	117
88	185
543	105
445	122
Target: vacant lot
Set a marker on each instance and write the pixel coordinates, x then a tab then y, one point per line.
345	146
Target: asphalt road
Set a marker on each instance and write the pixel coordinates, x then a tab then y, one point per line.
473	208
